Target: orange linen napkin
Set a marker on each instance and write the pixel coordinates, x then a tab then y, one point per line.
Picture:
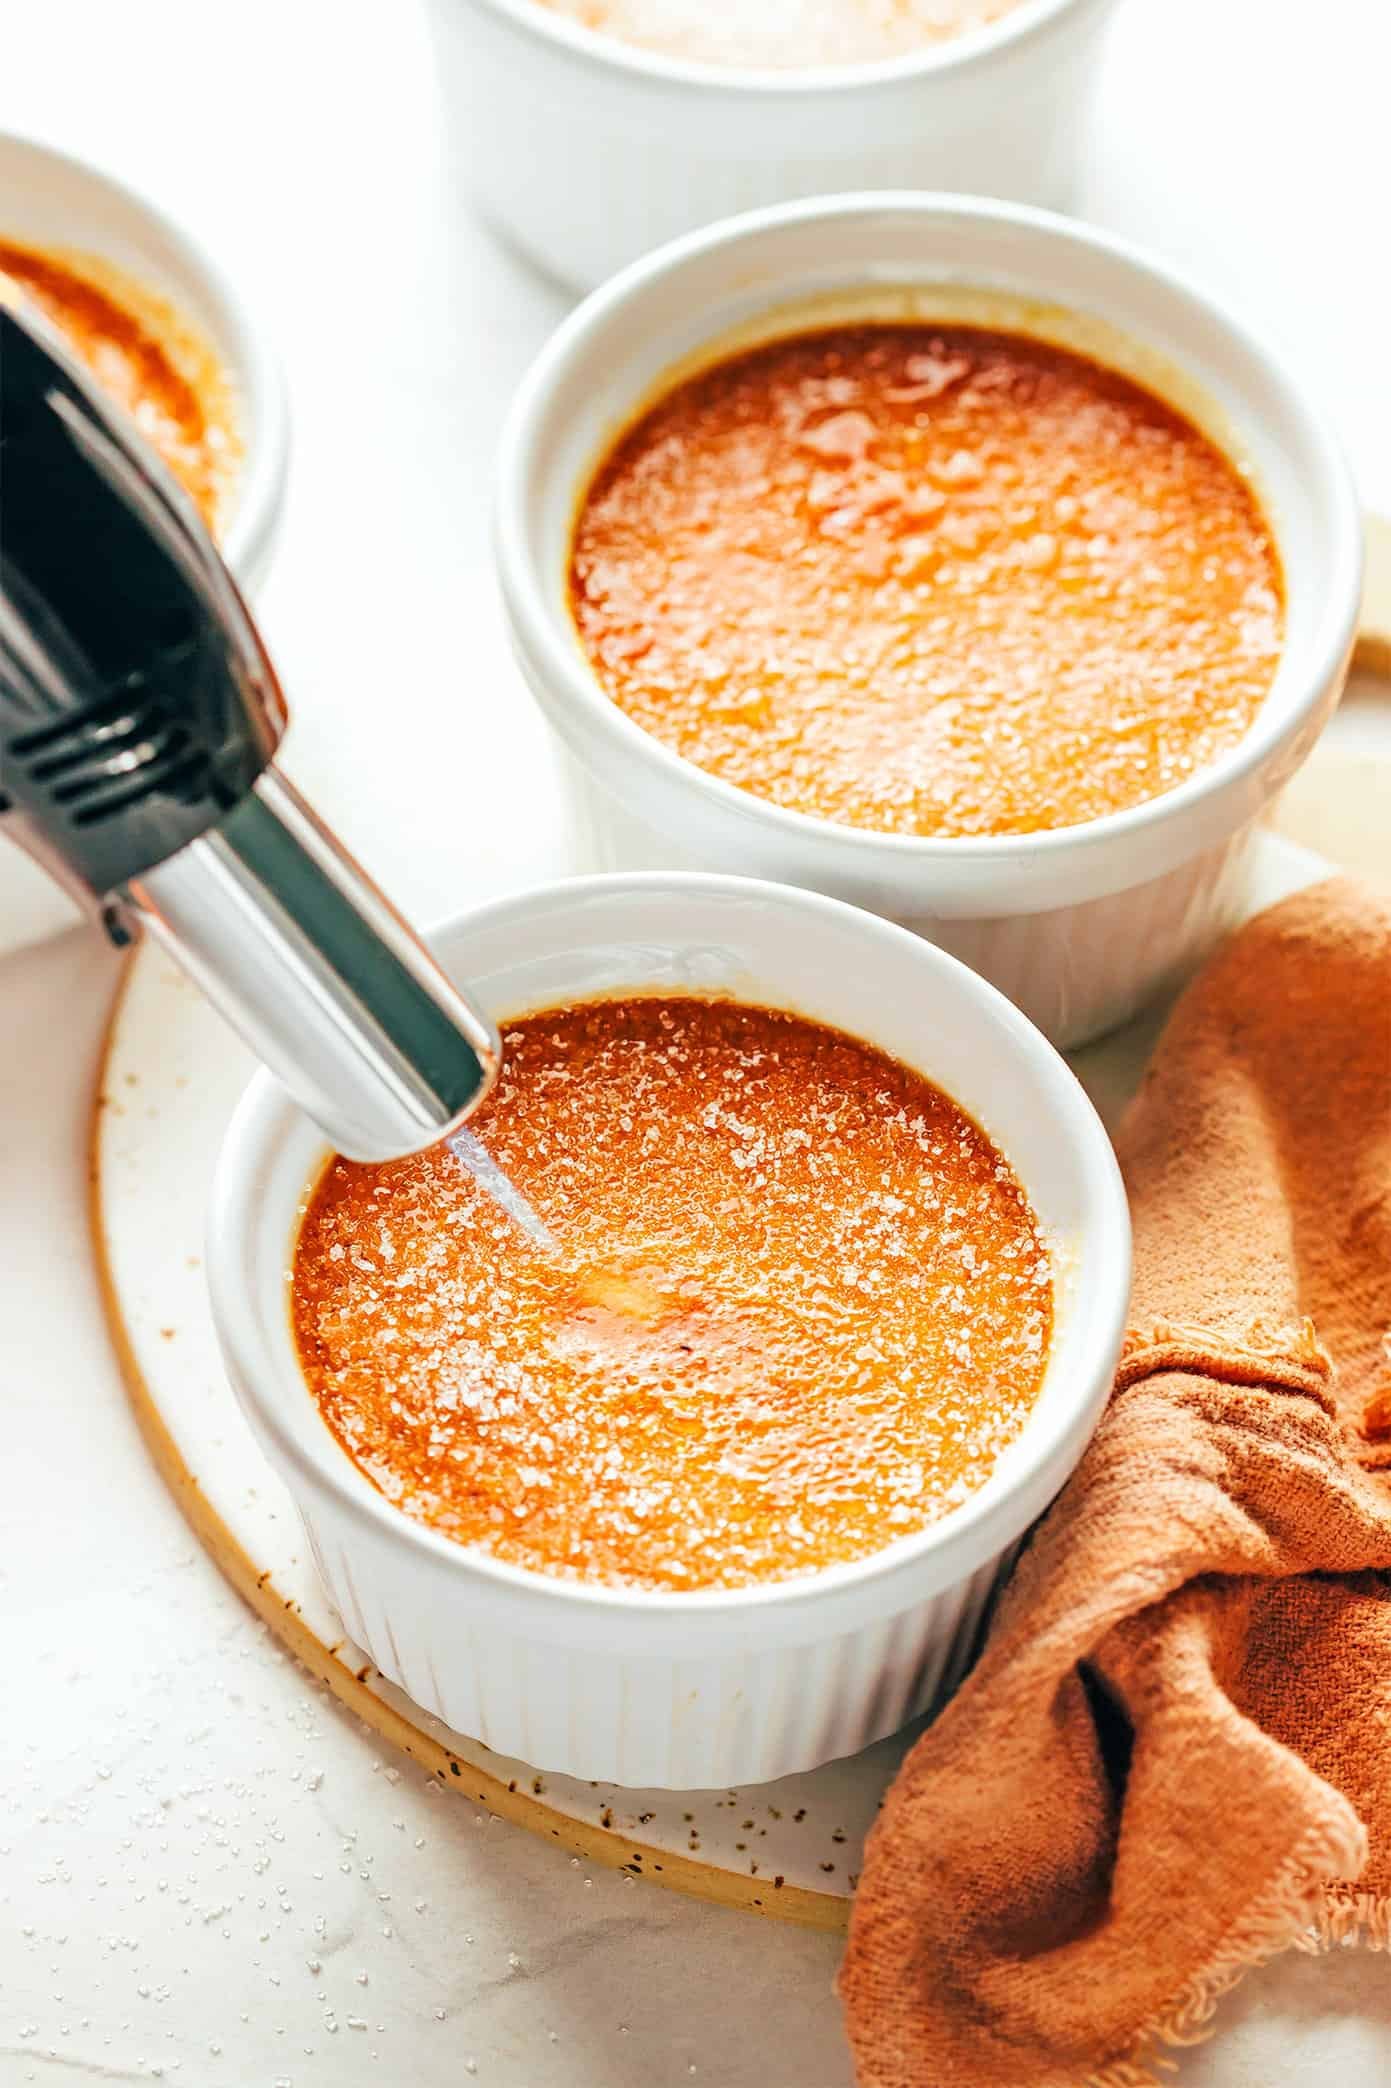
1174	1757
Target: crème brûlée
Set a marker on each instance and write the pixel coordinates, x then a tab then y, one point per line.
783	34
928	580
146	359
801	1304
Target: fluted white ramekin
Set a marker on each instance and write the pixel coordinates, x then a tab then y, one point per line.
587	151
1078	926
62	205
715	1687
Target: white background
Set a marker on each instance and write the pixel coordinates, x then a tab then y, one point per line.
187	1827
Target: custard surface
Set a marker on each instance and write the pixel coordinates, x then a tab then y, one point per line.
801	1306
928	580
783	34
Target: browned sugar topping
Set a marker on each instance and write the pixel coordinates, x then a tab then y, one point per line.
802	1304
928	580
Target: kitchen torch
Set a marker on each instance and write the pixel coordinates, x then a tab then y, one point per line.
139	721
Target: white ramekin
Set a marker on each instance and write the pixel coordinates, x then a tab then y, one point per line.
719	1687
587	152
63	205
1079	926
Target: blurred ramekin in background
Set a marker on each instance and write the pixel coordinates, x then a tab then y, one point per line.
586	151
719	1686
1080	925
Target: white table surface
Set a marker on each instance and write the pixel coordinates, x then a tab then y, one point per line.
207	1873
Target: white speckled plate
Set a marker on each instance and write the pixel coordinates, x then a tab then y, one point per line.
171	1075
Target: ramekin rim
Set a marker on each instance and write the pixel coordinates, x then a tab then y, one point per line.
258	490
1104	1271
566	675
611	54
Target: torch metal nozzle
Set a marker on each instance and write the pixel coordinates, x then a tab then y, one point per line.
277	924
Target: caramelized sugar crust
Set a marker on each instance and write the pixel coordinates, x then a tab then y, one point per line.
802	1304
928	580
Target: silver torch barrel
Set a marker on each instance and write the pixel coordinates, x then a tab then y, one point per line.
139	718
